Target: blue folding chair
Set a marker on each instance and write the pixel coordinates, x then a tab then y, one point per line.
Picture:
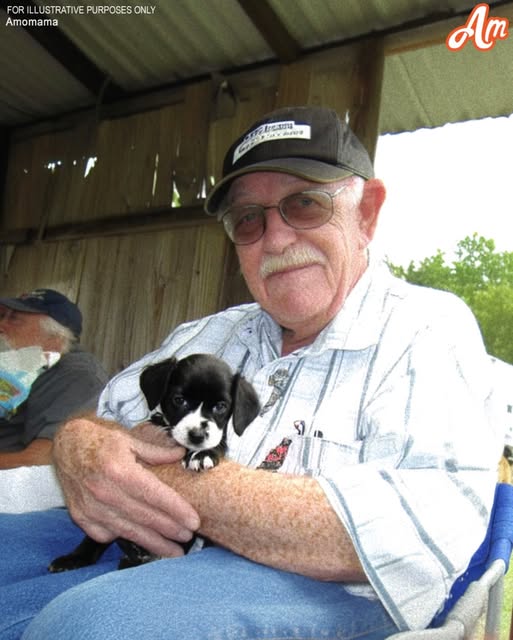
481	587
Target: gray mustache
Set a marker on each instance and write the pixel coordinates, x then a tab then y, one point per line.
293	257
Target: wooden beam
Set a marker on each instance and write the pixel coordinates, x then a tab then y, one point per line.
64	50
364	114
158	219
4	162
272	29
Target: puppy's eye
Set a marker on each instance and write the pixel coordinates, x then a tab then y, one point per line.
179	401
220	408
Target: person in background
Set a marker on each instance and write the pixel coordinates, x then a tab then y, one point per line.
47	319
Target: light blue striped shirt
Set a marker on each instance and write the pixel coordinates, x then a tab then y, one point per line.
388	409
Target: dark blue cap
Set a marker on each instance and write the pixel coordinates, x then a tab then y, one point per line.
50	303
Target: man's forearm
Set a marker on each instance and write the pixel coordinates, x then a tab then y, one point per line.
281	521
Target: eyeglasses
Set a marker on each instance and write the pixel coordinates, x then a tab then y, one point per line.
245	224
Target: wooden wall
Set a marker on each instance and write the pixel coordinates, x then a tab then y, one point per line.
131	289
106	206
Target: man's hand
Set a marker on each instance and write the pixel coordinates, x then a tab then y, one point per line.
109	491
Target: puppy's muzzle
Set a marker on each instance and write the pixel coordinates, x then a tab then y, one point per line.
198	435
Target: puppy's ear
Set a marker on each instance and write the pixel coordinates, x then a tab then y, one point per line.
246	404
153	380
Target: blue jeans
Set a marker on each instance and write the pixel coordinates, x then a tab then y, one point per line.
210	594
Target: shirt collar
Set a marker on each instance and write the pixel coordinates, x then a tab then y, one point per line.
356	326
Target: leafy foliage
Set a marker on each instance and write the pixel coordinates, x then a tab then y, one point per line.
481	276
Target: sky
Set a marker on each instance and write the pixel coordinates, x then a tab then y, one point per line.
444	184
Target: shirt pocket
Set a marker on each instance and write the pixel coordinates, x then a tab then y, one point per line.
312	455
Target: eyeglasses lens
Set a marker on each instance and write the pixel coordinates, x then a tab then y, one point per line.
305	210
245	225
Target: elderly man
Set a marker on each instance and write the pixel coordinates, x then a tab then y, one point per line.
47	319
373	398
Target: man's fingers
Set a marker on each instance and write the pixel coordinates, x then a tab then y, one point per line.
151	540
144	501
145	533
152	492
111	492
153	454
143	536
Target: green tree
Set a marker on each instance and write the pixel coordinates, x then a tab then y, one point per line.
481	276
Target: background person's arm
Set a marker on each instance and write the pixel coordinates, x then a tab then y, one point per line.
38	452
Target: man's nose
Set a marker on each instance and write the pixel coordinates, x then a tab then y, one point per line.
278	234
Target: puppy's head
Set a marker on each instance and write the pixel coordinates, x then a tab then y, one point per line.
197	397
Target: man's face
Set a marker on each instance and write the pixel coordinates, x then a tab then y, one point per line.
303	294
20	329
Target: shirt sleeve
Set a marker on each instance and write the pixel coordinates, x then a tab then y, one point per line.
72	385
428	456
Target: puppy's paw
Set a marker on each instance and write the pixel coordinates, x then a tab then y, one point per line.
200	460
68	563
87	553
134	554
201	465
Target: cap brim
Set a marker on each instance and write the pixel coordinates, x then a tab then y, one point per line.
18	305
301	167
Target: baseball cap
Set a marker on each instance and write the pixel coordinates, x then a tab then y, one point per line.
310	142
51	303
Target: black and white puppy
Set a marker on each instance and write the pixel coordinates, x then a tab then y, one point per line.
196	397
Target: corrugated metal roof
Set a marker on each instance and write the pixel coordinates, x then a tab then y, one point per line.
430	87
32	83
182	39
318	22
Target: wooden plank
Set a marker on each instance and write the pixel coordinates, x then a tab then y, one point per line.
207	274
332	80
272	29
143	221
190	169
347	79
138	165
233	287
295	84
135	290
57	266
168	144
79	158
366	88
171	281
101	296
253	102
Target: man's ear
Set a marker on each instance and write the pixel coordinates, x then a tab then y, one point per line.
373	197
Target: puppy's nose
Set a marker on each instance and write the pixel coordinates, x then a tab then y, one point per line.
197	436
